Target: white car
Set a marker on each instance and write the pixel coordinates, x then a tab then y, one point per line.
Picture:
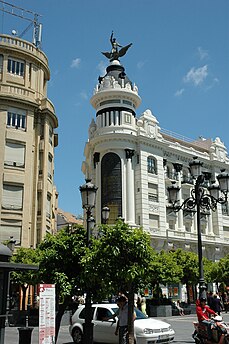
146	330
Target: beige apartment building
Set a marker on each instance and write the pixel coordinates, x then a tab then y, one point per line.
28	197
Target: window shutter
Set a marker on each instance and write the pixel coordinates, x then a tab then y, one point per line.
154	221
7	231
15	154
12	197
48	206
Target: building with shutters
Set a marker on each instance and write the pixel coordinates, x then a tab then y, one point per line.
28	197
133	161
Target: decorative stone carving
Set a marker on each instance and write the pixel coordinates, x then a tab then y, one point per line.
218	150
92	129
129	153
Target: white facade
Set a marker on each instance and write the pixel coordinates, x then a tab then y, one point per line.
133	161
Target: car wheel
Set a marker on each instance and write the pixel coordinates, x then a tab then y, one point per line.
77	335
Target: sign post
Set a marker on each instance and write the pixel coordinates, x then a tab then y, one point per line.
47	314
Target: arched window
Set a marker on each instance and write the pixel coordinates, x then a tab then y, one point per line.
152	165
111	185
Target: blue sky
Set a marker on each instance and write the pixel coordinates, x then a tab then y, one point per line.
179	61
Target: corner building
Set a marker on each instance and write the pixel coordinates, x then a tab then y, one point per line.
133	161
28	196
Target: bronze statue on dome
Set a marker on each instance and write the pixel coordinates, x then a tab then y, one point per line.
115	53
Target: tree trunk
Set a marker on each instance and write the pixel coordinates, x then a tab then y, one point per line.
188	293
24	289
60	313
131	315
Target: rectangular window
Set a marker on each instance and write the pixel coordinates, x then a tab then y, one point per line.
12	197
152	165
14	154
225	209
127	118
154	221
48	207
153	192
11	230
50	166
15	67
39	202
1	63
50	136
16	118
127	102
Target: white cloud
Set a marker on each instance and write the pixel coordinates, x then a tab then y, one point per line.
203	54
76	63
214	82
83	95
196	75
102	68
178	93
140	64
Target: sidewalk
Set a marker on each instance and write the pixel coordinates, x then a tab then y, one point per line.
12	336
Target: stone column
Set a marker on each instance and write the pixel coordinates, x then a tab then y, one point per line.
112	117
103	119
178	169
210	227
116	117
130	199
107	118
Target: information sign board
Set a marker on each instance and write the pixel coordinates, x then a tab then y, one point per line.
47	314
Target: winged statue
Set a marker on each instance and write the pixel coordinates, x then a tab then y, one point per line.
115	53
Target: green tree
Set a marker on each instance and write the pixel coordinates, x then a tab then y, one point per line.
60	263
163	269
222	270
188	261
119	261
26	277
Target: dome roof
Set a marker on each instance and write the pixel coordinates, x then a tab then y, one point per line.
117	71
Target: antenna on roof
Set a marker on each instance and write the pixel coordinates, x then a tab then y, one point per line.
26	15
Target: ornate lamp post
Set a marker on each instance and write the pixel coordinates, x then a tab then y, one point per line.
88	195
105	214
199	200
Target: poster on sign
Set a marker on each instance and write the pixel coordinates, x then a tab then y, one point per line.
47	314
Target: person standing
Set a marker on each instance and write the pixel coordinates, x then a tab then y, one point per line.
216	304
122	324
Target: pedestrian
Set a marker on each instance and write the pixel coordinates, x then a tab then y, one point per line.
180	309
210	298
216	304
122	324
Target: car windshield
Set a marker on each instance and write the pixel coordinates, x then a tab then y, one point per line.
115	309
139	314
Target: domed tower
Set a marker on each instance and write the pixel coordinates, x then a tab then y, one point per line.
110	150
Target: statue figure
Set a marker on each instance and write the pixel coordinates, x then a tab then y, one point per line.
115	54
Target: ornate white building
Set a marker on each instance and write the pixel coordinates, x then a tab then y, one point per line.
133	161
28	196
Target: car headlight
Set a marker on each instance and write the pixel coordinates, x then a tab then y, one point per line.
150	331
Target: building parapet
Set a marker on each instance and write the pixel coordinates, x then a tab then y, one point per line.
24	46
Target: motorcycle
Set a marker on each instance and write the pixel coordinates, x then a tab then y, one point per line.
220	332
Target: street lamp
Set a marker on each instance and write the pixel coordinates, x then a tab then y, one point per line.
201	200
105	214
88	195
11	245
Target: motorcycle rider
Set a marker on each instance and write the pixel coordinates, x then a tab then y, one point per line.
203	311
